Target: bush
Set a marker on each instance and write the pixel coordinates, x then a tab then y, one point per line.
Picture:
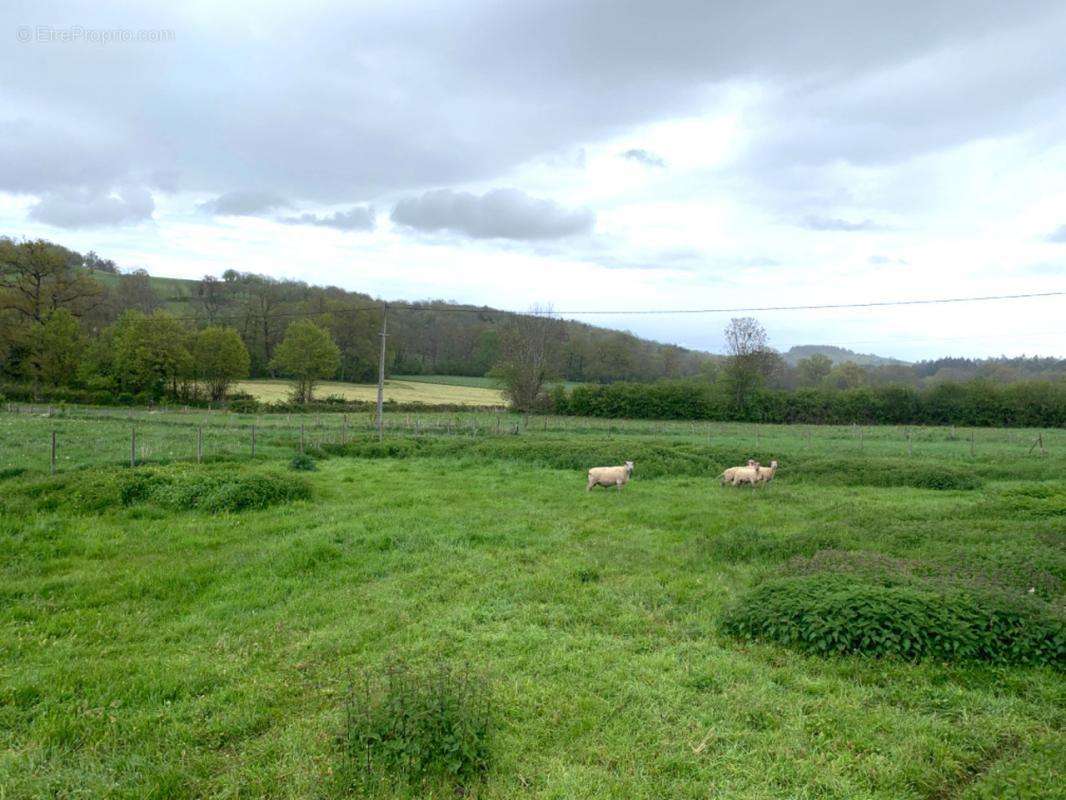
301	462
838	614
409	726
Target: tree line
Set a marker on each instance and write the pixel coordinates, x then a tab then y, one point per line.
40	280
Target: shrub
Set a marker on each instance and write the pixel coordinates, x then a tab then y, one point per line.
411	725
302	462
837	614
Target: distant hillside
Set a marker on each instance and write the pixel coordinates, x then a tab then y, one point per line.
838	355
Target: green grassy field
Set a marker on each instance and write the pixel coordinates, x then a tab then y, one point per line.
429	393
160	645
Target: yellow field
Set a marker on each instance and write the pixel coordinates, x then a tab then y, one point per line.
401	391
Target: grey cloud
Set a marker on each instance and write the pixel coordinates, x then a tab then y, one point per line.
1058	235
498	214
360	218
244	203
86	208
642	156
344	103
818	223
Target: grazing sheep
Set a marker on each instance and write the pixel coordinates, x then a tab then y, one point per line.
730	474
752	475
766	474
610	476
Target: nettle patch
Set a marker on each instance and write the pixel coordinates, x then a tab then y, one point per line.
416	726
214	488
838	603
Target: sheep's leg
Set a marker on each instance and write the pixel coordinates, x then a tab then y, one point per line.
618	483
592	482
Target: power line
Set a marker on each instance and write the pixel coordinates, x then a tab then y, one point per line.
823	306
416	307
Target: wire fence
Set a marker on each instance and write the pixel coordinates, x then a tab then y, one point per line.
51	438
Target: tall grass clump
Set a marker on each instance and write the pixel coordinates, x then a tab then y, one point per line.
413	726
174	487
883	615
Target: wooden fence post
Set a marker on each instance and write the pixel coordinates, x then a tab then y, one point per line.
253	441
53	468
910	445
133	446
199	444
301	437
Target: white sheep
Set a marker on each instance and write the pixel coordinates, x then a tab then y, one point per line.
753	475
766	474
729	475
610	476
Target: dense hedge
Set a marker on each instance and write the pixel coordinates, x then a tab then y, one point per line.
840	614
974	403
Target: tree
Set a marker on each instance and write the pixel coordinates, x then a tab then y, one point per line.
748	358
307	354
150	354
525	345
36	279
55	349
135	292
814	369
220	357
848	375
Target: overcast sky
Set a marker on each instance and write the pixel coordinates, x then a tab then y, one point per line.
587	155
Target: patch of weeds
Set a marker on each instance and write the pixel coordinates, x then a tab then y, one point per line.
414	726
832	614
302	462
11	472
588	575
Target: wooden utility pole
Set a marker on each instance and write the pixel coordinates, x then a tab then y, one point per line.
381	371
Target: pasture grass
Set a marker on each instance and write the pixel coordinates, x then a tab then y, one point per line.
153	649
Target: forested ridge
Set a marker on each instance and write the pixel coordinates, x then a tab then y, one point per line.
438	338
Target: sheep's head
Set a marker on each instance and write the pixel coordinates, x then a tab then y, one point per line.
773	464
752	463
629	467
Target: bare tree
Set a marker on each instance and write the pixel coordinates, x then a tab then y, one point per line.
526	345
749	357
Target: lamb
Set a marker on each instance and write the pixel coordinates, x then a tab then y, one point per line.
610	476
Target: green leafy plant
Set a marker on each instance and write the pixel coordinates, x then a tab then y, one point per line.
302	462
413	725
832	614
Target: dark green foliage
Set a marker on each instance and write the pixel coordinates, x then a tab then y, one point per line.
302	462
223	488
974	403
413	725
877	606
11	472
